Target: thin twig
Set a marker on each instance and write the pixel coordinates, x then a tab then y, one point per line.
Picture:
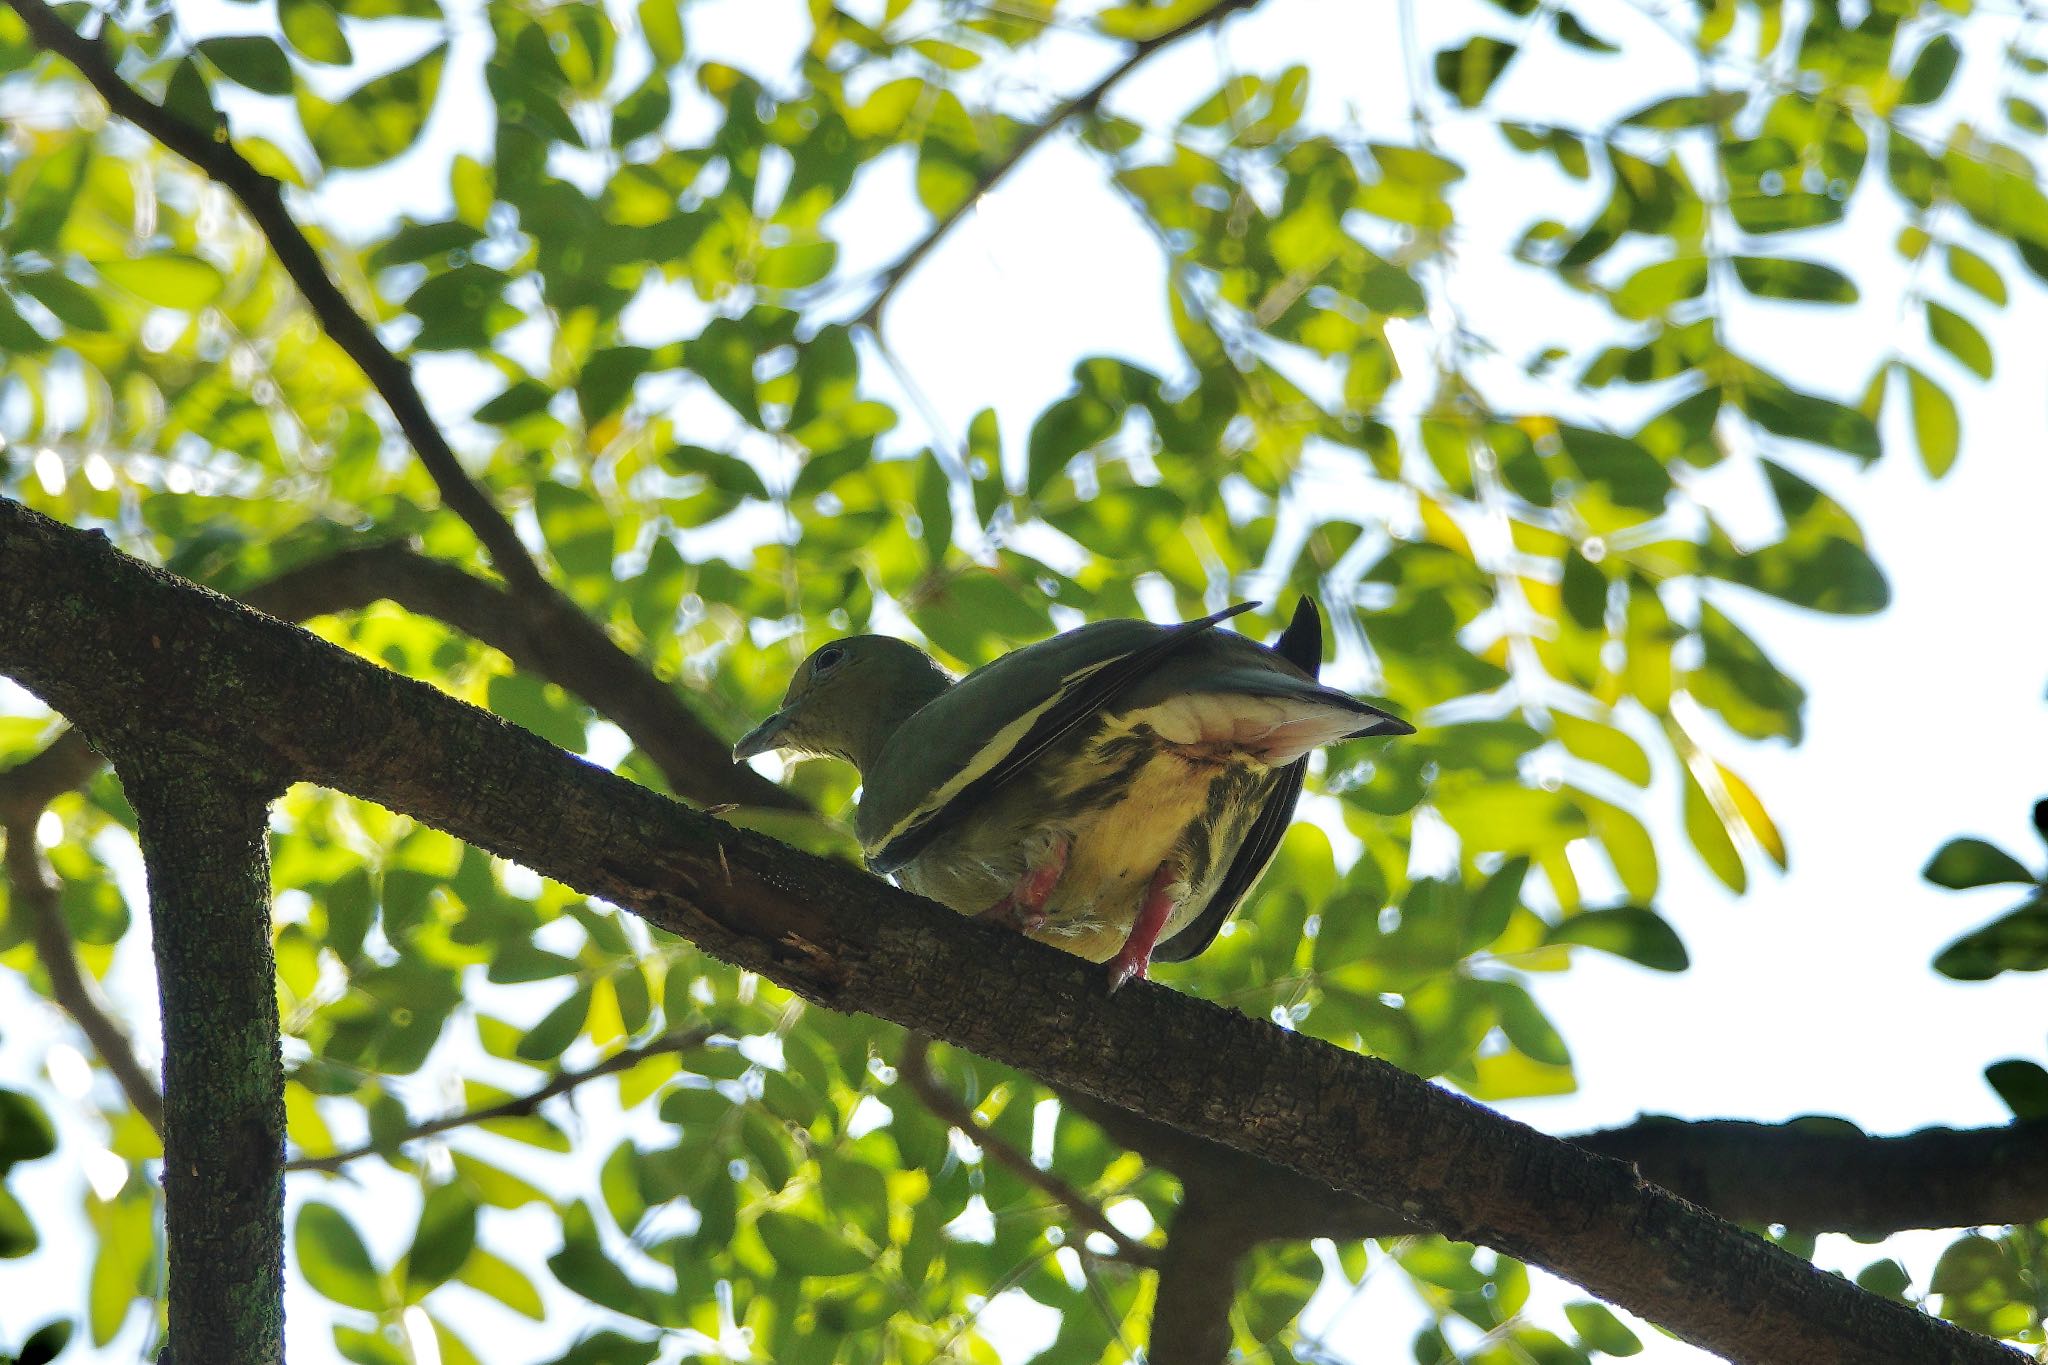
519	1106
1084	103
263	198
924	1082
36	891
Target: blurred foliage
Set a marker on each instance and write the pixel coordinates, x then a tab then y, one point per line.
634	311
2016	941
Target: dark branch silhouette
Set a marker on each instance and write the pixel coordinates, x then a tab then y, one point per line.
1078	106
37	892
519	1106
916	1065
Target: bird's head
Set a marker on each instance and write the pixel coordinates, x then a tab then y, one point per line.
847	699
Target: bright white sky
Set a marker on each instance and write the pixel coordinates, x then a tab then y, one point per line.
1810	995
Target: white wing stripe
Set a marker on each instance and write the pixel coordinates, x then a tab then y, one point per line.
999	747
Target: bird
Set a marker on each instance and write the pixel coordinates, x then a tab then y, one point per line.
1114	791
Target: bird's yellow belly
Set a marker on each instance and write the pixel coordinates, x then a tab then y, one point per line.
1113	854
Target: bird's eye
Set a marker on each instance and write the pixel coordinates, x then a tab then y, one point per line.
828	659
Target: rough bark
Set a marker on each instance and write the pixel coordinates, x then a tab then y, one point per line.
204	841
1813	1175
113	643
1198	1278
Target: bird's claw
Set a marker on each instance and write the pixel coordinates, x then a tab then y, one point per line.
1014	914
1124	969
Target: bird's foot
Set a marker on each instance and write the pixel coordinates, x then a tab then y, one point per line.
1131	960
1023	909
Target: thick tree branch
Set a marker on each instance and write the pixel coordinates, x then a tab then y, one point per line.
696	763
205	844
1078	106
925	1082
1198	1276
561	1083
571	651
1815	1175
129	651
37	892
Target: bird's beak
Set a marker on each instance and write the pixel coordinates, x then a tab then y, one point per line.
1386	725
763	738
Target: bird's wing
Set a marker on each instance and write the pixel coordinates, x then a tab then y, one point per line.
1301	644
968	742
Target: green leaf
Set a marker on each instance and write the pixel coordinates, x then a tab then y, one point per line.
723	357
1788	412
44	1344
661	24
17	1232
1886	1278
71	302
2023	1086
1604	744
332	1257
1976	274
1629	474
795	265
169	280
934	503
802	1247
1578	35
577	528
1935	65
1711	838
443	1240
25	1130
1963	863
1775	277
378	120
188	95
1467	72
1688	111
1627	931
1959	336
17	336
557	1029
44	204
1063	431
253	61
1937	427
1599	1330
503	1281
1652	290
2016	942
312	28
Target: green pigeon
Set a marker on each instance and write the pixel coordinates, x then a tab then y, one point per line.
1114	791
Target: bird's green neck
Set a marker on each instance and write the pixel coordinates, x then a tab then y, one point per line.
909	678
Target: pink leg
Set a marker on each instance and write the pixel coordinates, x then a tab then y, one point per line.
1152	916
1024	908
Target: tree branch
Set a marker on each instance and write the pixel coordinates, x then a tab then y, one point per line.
36	891
1087	102
204	829
700	759
696	762
1815	1175
263	199
680	1040
1198	1277
925	1083
129	651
